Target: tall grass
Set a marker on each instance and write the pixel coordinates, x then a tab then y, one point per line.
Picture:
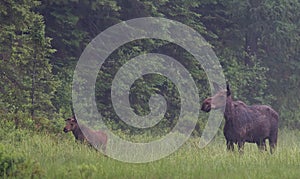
61	157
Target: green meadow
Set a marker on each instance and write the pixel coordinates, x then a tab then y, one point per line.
28	154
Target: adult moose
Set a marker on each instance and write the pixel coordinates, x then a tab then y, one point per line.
243	123
85	134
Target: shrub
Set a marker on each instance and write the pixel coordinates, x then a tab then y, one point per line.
25	121
16	165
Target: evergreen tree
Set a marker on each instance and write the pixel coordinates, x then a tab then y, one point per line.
27	83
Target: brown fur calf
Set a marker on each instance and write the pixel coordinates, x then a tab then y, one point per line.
94	138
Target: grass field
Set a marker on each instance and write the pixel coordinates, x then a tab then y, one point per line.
54	156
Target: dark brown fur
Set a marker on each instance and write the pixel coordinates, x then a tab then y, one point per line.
243	123
94	138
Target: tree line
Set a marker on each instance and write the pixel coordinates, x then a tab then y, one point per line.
257	42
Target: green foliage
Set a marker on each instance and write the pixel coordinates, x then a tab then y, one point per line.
248	82
27	83
22	120
256	41
250	38
15	165
87	170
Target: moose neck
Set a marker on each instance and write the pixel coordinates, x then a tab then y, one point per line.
77	132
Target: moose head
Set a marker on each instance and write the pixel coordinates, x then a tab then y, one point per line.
218	100
71	124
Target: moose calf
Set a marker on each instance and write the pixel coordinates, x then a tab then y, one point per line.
84	134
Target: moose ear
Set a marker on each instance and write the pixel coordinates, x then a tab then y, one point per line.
228	89
73	119
72	109
73	113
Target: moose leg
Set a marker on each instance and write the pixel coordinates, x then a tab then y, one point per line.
273	142
262	145
241	146
230	145
103	148
272	145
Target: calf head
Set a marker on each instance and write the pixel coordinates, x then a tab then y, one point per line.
71	124
218	100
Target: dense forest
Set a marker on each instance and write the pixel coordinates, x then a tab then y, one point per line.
256	41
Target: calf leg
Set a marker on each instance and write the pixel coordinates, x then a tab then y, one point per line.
103	148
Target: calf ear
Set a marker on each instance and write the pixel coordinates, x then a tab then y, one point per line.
228	89
75	119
